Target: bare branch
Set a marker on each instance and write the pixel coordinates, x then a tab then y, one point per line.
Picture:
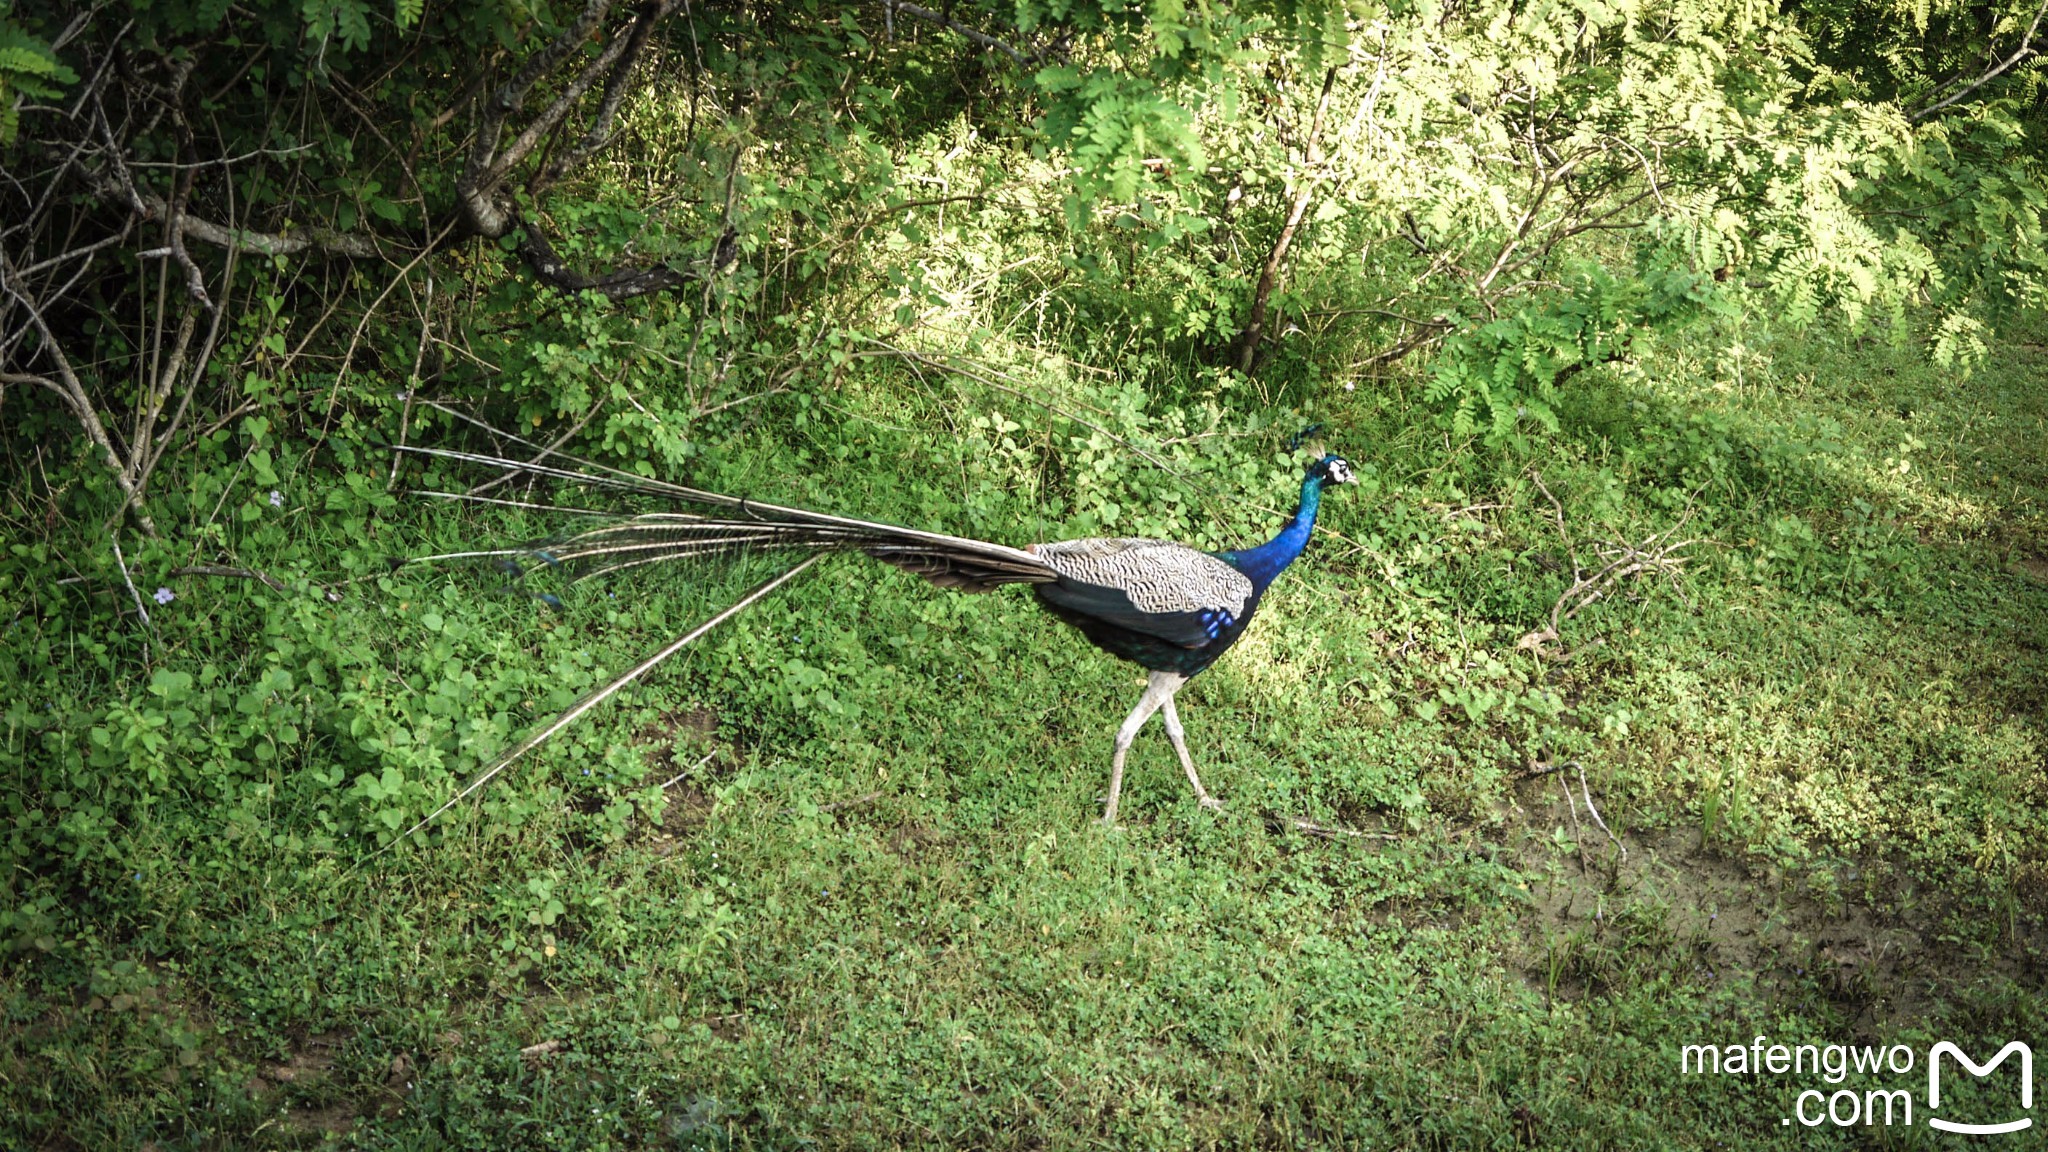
412	382
153	409
120	180
1587	794
1539	195
76	253
181	195
348	357
266	243
222	161
480	176
269	581
678	777
74	395
149	206
615	87
2022	52
1657	554
1421	337
122	562
195	283
539	254
1248	340
1578	834
1564	533
528	139
891	7
146	465
486	485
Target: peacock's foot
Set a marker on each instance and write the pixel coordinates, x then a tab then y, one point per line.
1211	803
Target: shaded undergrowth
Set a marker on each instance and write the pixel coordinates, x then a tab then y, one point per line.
869	907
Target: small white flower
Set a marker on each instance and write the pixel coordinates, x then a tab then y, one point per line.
165	596
276	498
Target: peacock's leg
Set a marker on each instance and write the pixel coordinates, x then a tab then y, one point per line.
1178	735
1159	690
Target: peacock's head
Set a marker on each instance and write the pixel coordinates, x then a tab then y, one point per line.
1333	469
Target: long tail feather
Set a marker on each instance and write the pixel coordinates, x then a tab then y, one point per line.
751	526
593	699
740	526
599	475
468	498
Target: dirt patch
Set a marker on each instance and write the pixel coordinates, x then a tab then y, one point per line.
2030	568
676	728
310	1062
910	841
333	1120
684	758
689	806
1870	938
398	1082
308	1071
732	1027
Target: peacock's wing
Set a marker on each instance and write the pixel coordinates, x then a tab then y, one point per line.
1156	587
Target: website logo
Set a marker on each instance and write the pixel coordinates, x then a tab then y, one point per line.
1934	1056
1877	1099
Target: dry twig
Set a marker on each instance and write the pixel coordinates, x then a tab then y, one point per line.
122	562
1619	560
1587	794
593	699
677	778
1578	838
2025	49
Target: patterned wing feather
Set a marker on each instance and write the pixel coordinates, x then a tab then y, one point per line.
1155	587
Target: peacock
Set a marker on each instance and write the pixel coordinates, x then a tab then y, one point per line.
1167	607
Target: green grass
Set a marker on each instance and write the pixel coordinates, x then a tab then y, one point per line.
1822	749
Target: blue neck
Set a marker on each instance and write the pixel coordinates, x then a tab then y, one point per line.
1265	563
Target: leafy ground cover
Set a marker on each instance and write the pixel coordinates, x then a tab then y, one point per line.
1673	677
832	879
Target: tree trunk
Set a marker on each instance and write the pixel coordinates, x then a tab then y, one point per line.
1248	340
